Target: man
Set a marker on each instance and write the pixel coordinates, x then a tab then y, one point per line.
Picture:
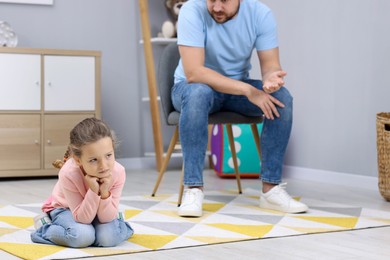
216	39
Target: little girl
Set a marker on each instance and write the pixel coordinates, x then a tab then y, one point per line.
82	210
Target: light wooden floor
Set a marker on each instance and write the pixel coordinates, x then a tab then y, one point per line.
365	244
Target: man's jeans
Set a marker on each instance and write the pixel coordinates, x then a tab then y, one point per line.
195	101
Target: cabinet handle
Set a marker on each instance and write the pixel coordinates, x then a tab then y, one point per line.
49	83
37	83
49	141
36	142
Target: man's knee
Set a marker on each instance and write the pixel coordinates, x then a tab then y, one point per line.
199	96
284	96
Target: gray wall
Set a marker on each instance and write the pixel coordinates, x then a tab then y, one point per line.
335	52
337	57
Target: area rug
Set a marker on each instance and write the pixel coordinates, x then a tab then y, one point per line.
228	217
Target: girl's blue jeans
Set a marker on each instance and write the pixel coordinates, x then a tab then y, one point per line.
195	101
65	231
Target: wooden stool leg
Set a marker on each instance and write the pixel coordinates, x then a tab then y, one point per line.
166	160
210	129
229	130
181	187
256	136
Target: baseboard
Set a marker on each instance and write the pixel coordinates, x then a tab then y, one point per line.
290	172
330	177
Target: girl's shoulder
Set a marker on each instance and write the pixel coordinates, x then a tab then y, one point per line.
119	168
118	165
70	170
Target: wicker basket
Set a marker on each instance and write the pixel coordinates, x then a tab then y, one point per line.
383	148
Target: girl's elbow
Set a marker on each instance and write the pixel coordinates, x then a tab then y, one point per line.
83	219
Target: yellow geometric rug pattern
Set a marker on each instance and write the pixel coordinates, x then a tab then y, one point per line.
227	217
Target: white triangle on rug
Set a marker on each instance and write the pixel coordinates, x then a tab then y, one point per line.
296	222
171	198
34	210
374	213
251	191
269	219
279	231
145	230
33	205
222	192
6	225
219	199
19	237
316	202
162	216
321	213
346	211
128	245
226	219
165	205
123	207
140	198
67	253
246	198
182	242
16	212
203	230
247	209
367	222
176	228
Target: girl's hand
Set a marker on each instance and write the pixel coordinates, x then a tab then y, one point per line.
104	186
93	183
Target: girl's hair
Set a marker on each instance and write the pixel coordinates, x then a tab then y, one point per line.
87	131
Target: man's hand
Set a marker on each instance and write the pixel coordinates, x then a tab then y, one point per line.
274	81
266	102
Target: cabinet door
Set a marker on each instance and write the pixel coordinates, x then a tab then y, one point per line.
69	83
20	86
56	135
20	142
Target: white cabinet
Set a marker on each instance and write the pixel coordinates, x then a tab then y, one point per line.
20	91
43	95
69	83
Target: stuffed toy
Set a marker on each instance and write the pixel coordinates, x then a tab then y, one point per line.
169	29
8	37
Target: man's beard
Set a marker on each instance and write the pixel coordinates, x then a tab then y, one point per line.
227	18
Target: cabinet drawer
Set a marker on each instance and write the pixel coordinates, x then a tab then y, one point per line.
56	135
20	142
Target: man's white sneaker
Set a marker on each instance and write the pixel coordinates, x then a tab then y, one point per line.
41	219
278	199
191	205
